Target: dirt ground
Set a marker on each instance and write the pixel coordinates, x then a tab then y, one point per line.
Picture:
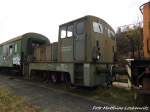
50	100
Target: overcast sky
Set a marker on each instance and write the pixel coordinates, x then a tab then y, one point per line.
44	16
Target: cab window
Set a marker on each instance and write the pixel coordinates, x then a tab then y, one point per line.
97	27
111	34
63	32
70	31
80	28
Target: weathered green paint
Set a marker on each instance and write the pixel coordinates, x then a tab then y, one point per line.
89	46
13	50
77	53
58	67
10	56
80	47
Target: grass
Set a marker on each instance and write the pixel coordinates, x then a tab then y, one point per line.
12	103
116	96
113	95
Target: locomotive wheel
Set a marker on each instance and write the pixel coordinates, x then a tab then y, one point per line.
33	75
53	78
67	78
58	77
49	79
62	79
45	77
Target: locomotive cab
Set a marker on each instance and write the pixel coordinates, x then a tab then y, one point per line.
88	43
86	40
72	41
104	44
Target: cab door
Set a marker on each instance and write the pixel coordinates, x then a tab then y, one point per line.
79	41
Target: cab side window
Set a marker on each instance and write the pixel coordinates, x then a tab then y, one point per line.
70	31
80	28
111	34
63	32
97	27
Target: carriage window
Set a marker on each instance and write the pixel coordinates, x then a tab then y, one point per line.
70	31
97	27
15	48
10	49
63	32
5	50
80	28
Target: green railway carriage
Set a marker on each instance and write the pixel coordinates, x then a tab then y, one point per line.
86	48
15	52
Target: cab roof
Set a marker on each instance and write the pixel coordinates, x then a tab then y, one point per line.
86	17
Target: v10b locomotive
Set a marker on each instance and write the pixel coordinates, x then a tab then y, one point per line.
86	47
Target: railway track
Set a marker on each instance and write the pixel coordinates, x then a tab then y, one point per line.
49	99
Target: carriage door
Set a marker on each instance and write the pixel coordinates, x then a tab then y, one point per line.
79	41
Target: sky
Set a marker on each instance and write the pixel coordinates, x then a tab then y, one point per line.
44	16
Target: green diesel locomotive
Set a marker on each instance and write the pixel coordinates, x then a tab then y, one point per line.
85	50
